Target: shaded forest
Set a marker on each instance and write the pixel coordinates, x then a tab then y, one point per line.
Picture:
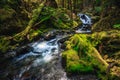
26	21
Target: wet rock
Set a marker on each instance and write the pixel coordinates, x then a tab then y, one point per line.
49	36
63	39
63	46
24	49
53	49
63	61
82	77
37	52
10	54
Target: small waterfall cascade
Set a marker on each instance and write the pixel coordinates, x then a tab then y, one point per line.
86	26
41	54
42	62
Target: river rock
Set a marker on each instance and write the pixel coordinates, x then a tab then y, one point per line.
63	39
24	49
49	36
10	54
63	46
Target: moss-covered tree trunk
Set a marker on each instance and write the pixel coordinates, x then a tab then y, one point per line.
22	35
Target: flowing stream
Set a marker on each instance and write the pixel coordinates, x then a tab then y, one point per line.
43	61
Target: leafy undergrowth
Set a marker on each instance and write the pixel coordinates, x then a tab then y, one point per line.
82	57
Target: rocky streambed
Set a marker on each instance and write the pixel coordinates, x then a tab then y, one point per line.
40	60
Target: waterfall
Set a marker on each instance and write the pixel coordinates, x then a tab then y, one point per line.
85	19
86	26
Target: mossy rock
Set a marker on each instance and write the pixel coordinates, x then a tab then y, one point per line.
82	57
74	64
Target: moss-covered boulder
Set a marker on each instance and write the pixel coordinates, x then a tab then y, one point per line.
74	64
82	57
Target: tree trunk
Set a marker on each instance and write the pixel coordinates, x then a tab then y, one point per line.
22	35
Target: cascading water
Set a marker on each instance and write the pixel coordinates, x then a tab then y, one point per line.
86	26
43	49
41	63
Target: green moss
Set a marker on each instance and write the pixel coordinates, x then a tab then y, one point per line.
75	24
82	57
36	12
33	34
77	67
96	37
98	9
117	26
74	64
81	44
110	41
4	45
49	17
72	60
